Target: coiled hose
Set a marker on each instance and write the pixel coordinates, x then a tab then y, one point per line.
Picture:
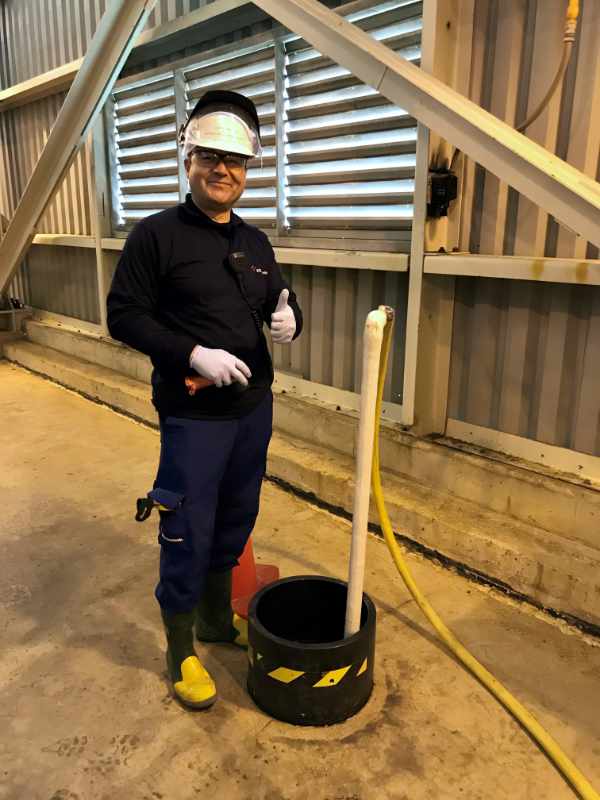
565	766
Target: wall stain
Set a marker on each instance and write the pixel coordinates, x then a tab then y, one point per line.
537	268
581	272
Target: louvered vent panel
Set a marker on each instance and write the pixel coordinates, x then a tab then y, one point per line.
145	148
251	72
350	154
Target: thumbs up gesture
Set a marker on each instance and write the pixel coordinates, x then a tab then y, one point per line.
283	321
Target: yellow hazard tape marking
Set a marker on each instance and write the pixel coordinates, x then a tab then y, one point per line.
285	675
331	678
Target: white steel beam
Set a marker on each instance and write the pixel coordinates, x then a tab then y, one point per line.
107	53
585	272
560	189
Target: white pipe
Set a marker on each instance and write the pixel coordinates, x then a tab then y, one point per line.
372	340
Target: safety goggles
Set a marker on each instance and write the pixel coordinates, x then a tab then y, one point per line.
209	159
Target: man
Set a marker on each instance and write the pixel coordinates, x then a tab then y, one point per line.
192	289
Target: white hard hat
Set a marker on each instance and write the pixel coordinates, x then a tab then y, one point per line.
221	130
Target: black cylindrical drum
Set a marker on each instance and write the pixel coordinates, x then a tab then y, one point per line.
301	669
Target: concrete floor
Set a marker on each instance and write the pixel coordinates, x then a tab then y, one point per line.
85	709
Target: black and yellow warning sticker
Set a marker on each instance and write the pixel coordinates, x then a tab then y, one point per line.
318	680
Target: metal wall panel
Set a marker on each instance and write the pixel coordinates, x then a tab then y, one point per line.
63	280
335	304
8	180
26	130
166	10
524	360
60	29
19	286
517	47
23	132
4	74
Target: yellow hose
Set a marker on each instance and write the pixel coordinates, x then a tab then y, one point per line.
577	780
568	39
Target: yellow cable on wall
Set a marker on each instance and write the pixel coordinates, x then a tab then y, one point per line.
568	39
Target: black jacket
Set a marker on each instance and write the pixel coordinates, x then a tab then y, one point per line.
174	288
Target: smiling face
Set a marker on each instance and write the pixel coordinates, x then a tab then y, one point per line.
216	184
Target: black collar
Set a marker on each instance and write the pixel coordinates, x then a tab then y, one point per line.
190	211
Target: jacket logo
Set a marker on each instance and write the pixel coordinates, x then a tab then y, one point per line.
258	270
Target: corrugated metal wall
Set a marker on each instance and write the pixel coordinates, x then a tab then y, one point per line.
525	360
8	191
517	47
4	79
64	280
335	304
30	126
63	30
524	353
26	129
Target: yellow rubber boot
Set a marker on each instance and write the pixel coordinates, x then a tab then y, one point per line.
196	688
192	684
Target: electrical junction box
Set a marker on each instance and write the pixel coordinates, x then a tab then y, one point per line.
442	189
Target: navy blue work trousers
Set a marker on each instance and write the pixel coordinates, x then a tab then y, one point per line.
208	485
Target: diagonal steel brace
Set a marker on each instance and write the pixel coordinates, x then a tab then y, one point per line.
548	181
104	60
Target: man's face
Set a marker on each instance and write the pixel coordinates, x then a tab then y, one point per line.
216	179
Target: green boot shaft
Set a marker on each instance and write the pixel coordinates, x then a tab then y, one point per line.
214	618
179	629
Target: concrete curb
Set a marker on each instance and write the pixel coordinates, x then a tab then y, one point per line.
551	571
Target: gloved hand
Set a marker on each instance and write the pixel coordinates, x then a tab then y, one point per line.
283	321
219	366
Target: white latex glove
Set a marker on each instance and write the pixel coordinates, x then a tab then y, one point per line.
283	321
219	366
